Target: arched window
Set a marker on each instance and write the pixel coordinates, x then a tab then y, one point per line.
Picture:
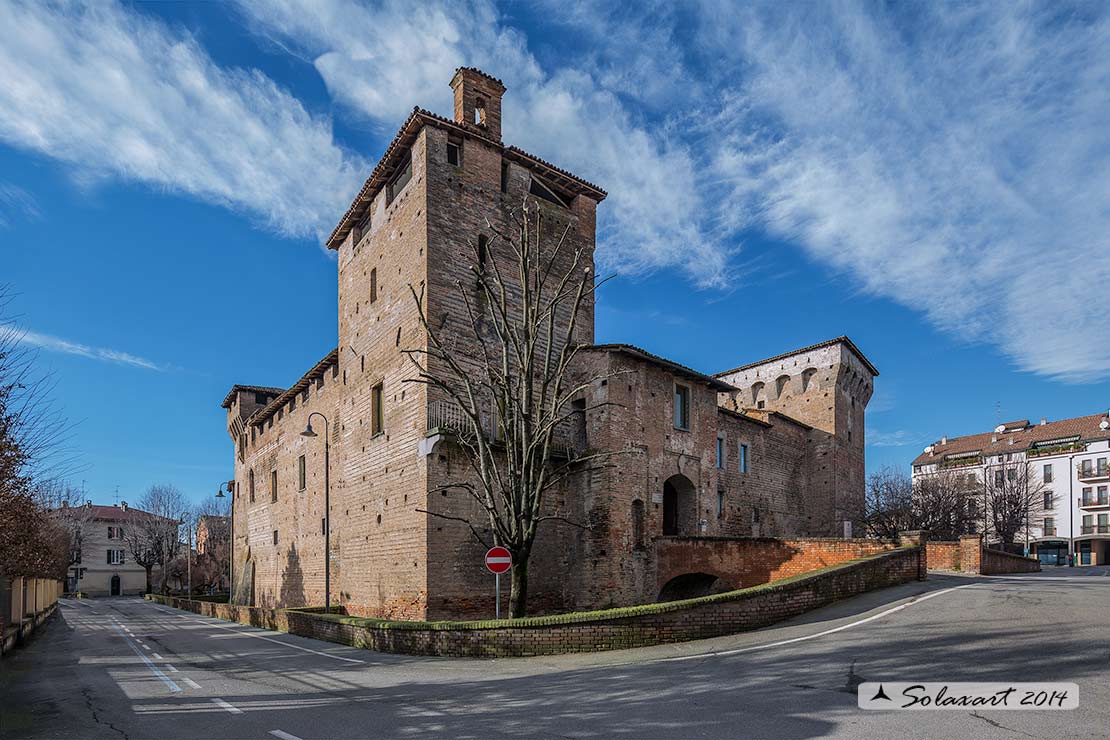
757	395
807	377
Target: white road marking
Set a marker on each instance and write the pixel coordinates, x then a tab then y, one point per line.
153	668
171	668
156	656
841	628
228	707
146	647
190	683
283	735
268	639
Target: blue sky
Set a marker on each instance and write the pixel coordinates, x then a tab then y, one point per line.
931	180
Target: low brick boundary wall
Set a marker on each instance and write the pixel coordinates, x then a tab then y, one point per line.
609	629
996	562
943	555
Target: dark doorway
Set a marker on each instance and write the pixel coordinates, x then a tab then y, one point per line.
678	506
115	589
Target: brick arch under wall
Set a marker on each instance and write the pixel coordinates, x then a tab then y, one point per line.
750	561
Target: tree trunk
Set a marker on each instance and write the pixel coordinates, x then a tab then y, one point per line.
149	587
518	595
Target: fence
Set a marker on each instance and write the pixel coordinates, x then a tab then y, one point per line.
25	603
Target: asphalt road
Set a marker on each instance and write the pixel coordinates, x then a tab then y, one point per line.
125	668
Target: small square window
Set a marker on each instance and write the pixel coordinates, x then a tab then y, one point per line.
453	154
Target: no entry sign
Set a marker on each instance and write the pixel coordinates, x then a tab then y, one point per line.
498	560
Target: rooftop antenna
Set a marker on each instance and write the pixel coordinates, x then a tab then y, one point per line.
117	495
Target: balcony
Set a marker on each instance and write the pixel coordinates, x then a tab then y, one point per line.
1092	473
1094	502
569	439
1049	532
1095	529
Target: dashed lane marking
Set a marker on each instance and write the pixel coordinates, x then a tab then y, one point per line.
283	735
153	668
190	683
229	707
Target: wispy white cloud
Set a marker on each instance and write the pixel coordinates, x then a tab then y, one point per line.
898	438
403	55
104	354
114	93
15	202
953	158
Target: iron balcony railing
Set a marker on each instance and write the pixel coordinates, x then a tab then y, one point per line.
1092	472
1088	502
1050	532
1095	529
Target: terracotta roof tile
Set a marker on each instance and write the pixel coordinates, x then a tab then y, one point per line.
643	354
1085	427
827	343
331	358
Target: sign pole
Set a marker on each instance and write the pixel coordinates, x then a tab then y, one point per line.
497	595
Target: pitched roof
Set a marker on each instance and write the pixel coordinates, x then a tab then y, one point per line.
255	388
111	513
820	345
643	354
1086	428
404	139
258	417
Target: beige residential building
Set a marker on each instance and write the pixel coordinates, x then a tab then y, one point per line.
106	567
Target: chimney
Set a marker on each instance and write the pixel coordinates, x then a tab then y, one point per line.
123	505
478	100
994	438
1043	421
944	439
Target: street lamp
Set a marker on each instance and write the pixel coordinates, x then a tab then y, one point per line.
230	535
327	505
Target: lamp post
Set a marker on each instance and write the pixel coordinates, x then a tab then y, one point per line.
327	505
230	535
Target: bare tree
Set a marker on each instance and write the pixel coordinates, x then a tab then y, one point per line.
210	567
152	530
1012	491
510	374
942	504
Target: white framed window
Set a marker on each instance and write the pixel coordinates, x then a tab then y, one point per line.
115	557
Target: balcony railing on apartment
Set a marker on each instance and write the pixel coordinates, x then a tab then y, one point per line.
1091	502
1049	531
569	437
1091	472
1095	529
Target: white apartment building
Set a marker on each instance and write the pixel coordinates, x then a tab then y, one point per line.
1070	456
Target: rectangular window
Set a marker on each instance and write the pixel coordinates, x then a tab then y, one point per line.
743	458
1048	499
1049	525
483	249
720	451
1011	474
250	485
1087	498
1047	476
300	473
681	407
720	504
373	285
1101	465
1088	524
273	485
1102	493
111	533
453	154
323	527
504	176
400	180
115	557
275	536
377	421
998	477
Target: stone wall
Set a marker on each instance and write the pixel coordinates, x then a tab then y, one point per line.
653	624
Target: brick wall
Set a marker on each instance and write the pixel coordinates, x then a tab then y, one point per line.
996	562
943	555
742	563
612	629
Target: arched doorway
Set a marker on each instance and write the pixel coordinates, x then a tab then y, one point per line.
679	506
693	585
115	587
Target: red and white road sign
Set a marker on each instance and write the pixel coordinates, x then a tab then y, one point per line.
498	560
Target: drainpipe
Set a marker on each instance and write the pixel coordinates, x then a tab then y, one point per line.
1071	509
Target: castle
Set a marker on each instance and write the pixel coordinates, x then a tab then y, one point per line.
771	448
